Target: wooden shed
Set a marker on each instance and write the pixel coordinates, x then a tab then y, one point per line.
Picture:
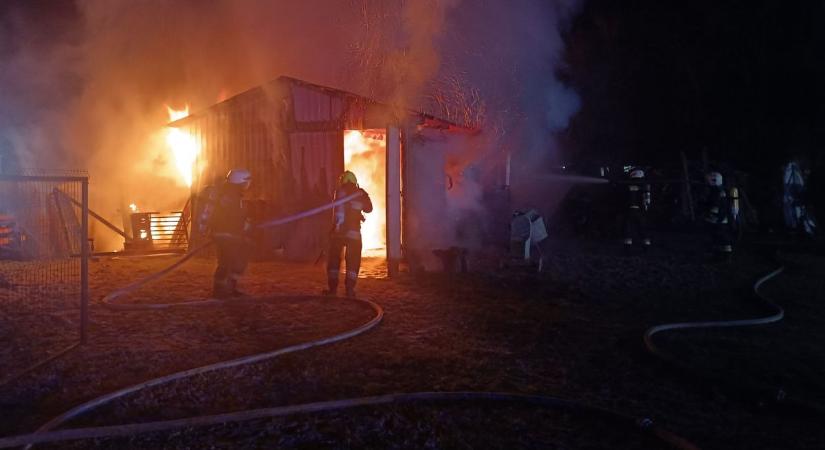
291	135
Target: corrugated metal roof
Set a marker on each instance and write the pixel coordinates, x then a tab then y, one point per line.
314	103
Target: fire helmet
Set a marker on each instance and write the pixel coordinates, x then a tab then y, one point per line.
239	177
714	179
347	177
637	173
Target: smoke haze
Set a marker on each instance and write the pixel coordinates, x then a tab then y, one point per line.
86	83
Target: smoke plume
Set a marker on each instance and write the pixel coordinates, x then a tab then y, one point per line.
86	83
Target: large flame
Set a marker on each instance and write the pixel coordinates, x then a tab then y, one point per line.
184	146
365	156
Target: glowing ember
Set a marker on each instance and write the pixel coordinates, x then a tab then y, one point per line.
365	156
184	146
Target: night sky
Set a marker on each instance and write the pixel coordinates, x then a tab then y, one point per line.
743	80
746	80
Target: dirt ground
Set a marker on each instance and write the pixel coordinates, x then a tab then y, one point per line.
573	332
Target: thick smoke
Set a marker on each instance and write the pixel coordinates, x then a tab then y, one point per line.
91	94
37	85
501	68
513	56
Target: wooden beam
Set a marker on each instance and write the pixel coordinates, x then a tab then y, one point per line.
96	216
393	199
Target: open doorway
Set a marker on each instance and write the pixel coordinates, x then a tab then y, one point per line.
365	155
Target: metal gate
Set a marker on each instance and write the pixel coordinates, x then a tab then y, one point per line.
44	254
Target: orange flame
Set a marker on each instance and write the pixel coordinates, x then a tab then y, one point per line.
184	146
365	156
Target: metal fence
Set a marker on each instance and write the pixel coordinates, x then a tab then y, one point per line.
44	256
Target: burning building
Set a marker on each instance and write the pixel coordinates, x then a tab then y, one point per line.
297	137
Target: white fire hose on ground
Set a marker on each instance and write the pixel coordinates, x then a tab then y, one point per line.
776	395
44	434
108	299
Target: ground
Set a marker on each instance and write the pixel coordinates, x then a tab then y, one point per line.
573	332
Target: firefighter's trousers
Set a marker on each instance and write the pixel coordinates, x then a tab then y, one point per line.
353	258
635	227
233	257
721	235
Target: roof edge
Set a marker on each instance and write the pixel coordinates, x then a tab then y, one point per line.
426	119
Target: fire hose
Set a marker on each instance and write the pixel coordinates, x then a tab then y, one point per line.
44	434
268	224
107	300
775	395
335	405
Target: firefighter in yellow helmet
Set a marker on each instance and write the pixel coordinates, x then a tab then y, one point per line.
224	216
346	233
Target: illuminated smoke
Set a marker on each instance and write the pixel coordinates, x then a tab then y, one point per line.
93	95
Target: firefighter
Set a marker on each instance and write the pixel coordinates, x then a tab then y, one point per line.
794	204
638	203
225	218
721	211
346	233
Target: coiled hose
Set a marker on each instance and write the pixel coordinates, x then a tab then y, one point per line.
45	434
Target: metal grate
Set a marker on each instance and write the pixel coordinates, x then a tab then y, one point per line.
166	229
43	263
157	231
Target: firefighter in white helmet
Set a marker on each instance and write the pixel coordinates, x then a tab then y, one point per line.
346	233
721	212
638	203
224	216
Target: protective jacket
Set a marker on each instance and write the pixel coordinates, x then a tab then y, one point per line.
638	196
718	208
223	211
348	216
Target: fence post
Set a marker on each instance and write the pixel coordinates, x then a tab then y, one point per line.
84	263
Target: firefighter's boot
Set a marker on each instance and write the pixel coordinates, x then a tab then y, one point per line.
350	285
233	287
221	288
332	284
628	247
726	253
